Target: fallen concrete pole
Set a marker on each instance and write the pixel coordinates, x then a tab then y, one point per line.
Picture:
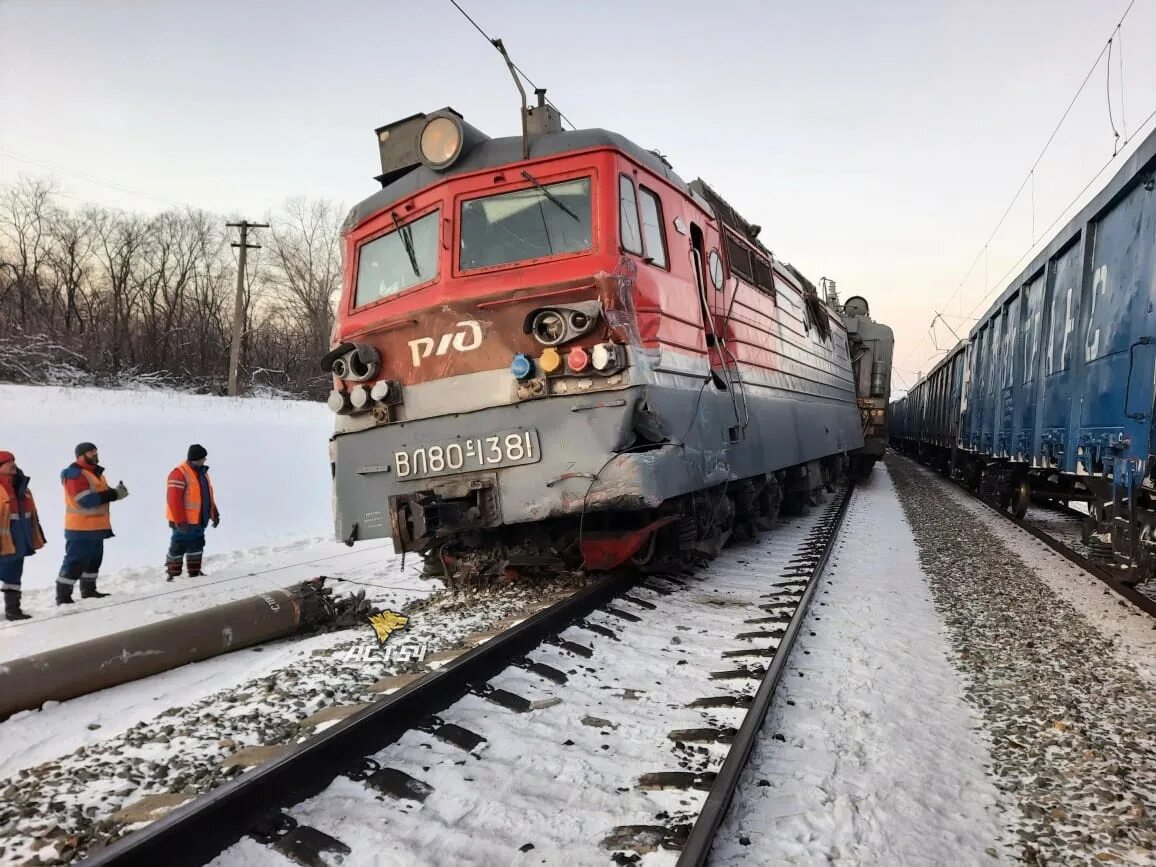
78	669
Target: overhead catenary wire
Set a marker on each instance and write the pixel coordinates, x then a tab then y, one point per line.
1029	177
999	284
517	68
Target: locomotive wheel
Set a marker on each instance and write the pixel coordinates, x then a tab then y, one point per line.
645	555
1021	499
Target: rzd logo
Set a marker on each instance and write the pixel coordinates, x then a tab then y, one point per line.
467	337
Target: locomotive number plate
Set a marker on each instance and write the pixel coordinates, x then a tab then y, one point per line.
466	454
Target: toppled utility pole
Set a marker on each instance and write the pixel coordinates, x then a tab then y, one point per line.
238	304
121	657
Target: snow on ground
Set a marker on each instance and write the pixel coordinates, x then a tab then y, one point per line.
1130	630
870	754
269	463
1070	718
186	731
549	786
36	736
271	474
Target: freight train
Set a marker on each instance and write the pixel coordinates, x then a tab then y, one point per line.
1051	395
552	352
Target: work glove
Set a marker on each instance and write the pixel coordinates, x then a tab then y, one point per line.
121	491
216	521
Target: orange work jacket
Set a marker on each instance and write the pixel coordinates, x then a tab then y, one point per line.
76	517
7	504
184	478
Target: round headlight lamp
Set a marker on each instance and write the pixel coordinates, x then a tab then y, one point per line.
441	142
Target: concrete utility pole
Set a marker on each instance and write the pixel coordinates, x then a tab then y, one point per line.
238	304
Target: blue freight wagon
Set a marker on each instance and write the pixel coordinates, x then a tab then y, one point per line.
1051	396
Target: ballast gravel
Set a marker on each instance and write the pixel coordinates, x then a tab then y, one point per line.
58	811
1072	729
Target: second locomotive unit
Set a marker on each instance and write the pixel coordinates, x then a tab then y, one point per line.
872	347
551	351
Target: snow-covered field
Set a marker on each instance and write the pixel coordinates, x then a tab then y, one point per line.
270	468
269	463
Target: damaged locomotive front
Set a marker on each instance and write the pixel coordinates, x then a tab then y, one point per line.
530	372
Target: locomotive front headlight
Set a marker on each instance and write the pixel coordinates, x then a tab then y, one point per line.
550	361
441	142
380	390
359	397
549	328
604	356
522	367
578	359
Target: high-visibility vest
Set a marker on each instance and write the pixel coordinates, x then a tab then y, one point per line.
7	516
76	517
192	496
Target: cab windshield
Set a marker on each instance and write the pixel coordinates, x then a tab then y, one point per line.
543	220
393	262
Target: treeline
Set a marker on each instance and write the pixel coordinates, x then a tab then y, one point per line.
96	296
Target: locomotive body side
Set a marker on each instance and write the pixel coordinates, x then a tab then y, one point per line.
553	356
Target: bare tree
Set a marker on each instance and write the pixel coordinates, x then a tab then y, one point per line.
25	211
305	268
97	295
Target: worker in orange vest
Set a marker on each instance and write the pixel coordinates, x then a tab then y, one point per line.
190	507
20	533
86	523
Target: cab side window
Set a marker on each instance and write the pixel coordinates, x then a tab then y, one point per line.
628	216
652	233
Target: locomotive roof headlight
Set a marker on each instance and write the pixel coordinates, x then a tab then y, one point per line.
441	141
549	328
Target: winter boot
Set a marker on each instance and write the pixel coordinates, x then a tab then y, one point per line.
172	568
195	567
88	589
64	593
12	606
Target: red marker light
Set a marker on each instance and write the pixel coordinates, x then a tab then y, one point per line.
578	359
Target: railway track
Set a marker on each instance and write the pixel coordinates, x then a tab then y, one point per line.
1060	528
611	726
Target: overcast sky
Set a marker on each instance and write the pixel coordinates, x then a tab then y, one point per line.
877	143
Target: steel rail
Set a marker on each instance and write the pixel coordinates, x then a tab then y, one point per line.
1131	594
1144	603
698	844
200	830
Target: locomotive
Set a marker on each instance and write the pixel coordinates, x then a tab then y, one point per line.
1051	396
872	347
552	352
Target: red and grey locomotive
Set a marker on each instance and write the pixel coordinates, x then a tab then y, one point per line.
552	352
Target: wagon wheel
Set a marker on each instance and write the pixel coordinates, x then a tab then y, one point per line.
1021	499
